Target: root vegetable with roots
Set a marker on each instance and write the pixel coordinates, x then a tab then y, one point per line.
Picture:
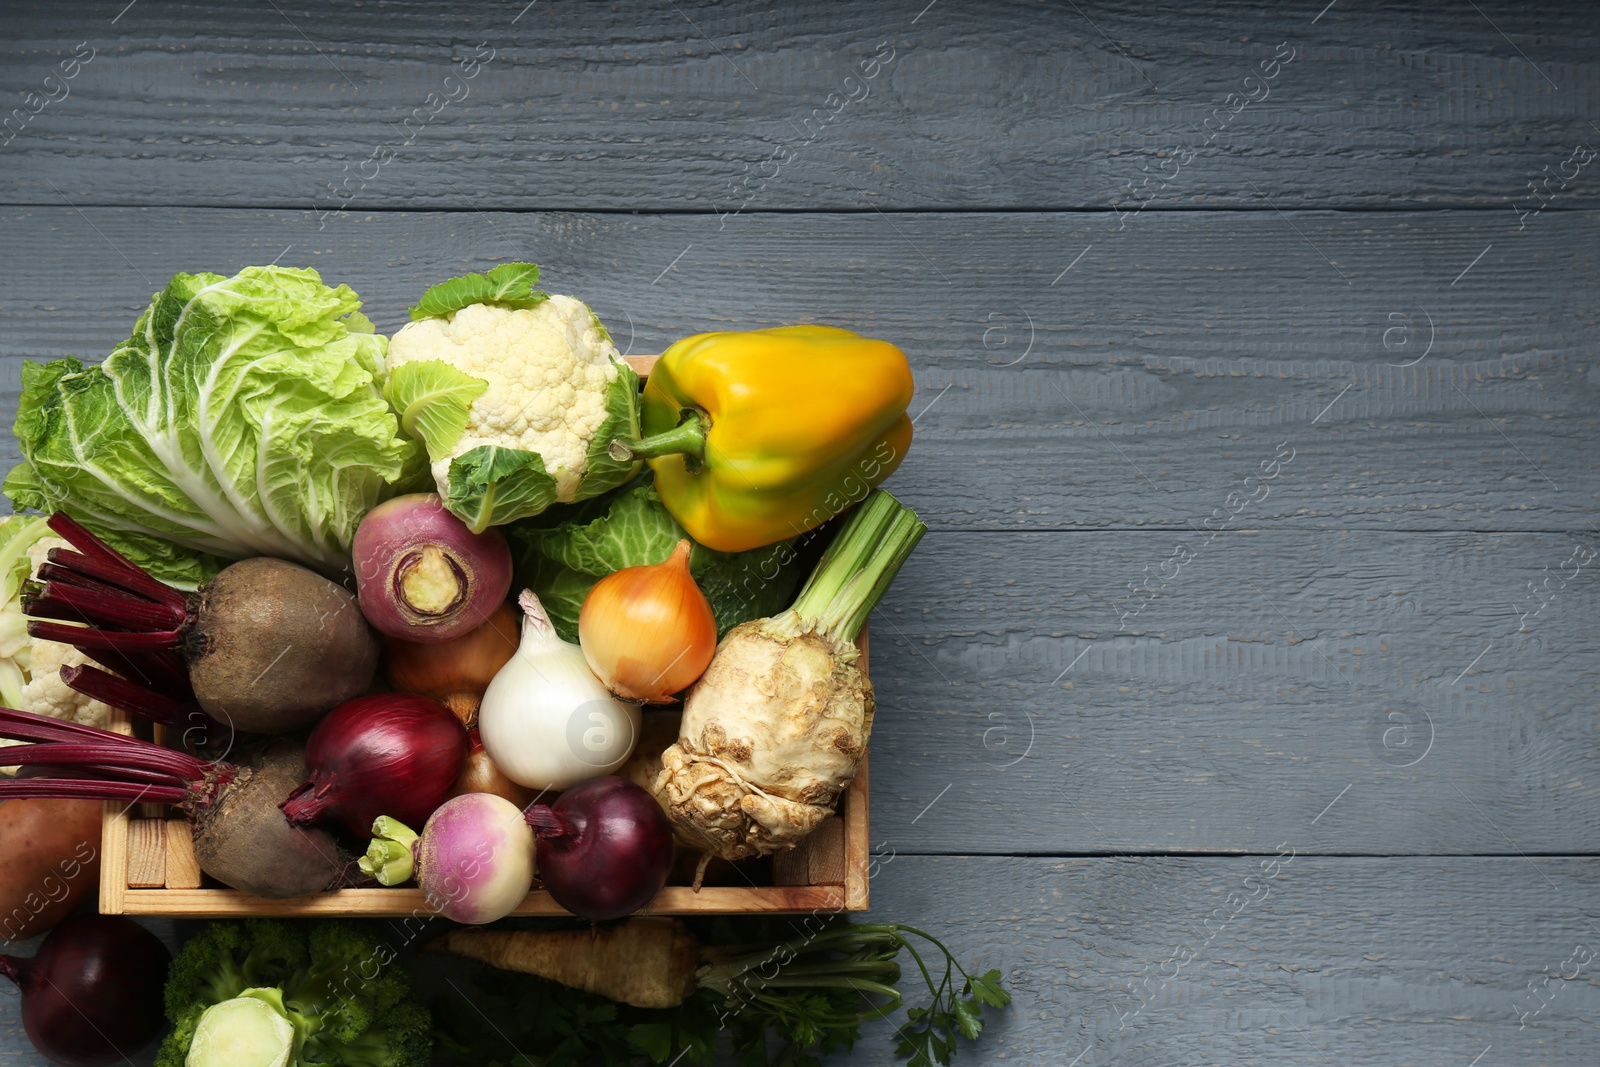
776	727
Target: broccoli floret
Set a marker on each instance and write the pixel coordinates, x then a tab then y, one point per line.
402	1037
346	1001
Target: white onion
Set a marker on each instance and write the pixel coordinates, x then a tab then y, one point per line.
546	721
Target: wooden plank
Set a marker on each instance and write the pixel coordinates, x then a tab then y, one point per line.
1348	961
114	840
1157	379
183	870
1413	678
704	107
817	860
147	853
401	902
1337	961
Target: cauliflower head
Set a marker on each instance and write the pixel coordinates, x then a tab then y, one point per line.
30	669
516	395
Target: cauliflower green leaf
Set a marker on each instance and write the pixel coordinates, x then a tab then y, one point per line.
433	400
490	485
509	285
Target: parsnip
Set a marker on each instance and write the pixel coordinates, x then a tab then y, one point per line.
649	963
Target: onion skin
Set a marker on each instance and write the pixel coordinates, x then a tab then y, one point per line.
422	575
394	754
93	992
546	720
604	848
648	632
475	858
480	775
455	672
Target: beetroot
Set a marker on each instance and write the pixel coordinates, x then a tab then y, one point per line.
240	836
265	646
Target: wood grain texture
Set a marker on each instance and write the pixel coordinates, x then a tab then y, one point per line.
183	870
400	902
1413	677
701	106
147	853
1159	372
1421	962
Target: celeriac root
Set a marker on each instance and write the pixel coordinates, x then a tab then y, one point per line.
771	734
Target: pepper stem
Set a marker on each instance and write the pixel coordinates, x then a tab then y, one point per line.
688	438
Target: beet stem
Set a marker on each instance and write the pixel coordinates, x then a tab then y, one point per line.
88	638
11	968
26	726
141	756
55	572
161	669
109	565
98	606
139	700
81	789
547	823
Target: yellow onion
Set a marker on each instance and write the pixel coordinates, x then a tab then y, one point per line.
455	672
480	775
648	632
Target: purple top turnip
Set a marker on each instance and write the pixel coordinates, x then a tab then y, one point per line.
422	575
473	859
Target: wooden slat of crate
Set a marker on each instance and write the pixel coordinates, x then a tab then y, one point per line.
183	871
400	902
147	853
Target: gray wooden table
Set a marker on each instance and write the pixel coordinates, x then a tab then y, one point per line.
1240	703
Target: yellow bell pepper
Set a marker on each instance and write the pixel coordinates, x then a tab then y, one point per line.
756	437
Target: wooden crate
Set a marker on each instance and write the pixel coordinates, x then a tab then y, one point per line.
148	867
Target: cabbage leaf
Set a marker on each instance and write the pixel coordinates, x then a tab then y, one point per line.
561	561
244	416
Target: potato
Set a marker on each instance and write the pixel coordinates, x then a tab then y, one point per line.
51	851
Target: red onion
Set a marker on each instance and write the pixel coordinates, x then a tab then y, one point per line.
395	754
422	576
604	848
92	993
